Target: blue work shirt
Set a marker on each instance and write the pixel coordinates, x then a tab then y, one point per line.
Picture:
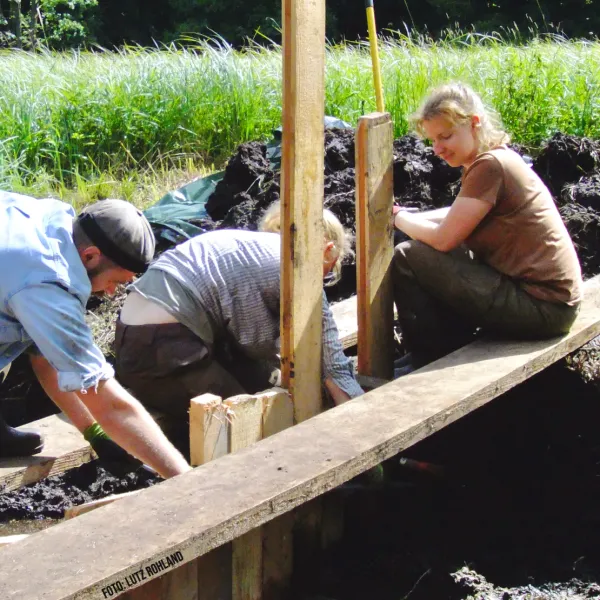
44	289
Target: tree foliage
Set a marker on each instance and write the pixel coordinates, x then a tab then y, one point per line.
113	23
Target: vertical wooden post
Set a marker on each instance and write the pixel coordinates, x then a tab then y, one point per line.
245	429
208	429
278	414
374	232
209	440
302	202
180	584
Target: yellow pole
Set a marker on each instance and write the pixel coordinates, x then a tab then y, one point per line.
374	55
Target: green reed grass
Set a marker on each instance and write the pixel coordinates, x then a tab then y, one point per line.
103	122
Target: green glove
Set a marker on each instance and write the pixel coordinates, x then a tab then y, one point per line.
112	457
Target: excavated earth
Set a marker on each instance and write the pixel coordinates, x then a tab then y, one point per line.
513	513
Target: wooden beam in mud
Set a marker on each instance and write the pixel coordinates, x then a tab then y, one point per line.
374	245
174	522
302	202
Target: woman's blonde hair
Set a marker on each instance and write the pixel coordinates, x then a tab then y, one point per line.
458	103
333	231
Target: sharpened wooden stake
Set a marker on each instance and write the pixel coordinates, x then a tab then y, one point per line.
208	429
374	232
209	440
278	414
247	563
179	584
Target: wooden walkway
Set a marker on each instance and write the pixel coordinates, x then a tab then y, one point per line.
181	519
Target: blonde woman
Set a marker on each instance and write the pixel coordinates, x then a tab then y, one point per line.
499	257
205	318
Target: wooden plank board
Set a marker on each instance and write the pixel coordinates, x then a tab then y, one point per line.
209	440
302	202
278	414
374	243
64	448
208	429
245	428
187	516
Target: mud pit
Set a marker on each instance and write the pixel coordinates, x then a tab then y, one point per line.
520	506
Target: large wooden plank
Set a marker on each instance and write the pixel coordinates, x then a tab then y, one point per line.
245	429
64	448
302	202
374	246
187	516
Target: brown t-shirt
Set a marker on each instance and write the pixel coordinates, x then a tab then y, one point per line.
523	236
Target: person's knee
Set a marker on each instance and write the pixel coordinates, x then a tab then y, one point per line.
408	256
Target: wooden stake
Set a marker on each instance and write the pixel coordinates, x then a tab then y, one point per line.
209	440
278	414
214	574
179	584
246	428
374	232
302	202
208	429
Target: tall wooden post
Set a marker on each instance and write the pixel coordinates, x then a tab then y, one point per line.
302	202
374	247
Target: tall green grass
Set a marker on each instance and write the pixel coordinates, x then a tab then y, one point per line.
90	120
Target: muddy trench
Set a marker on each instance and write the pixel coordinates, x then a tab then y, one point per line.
514	510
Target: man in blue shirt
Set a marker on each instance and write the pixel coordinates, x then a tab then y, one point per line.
50	263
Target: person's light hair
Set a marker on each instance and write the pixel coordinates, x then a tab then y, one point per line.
333	231
458	103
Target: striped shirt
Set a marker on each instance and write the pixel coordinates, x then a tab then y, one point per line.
228	283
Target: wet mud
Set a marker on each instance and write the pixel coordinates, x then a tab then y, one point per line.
515	514
49	498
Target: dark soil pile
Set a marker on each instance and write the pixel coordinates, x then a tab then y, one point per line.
49	498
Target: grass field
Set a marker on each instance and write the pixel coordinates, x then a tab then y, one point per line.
140	122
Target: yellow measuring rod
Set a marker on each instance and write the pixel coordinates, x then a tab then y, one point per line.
374	55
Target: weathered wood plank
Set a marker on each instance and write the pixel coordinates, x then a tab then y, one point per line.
209	440
374	246
187	516
278	414
64	449
208	429
214	574
302	202
245	429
